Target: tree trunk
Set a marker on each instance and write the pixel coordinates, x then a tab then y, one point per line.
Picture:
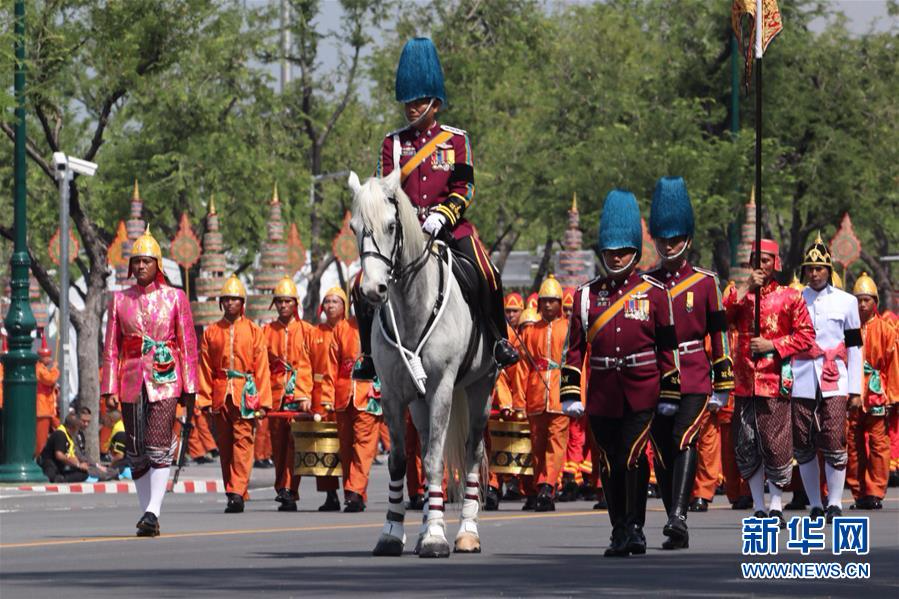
543	267
89	376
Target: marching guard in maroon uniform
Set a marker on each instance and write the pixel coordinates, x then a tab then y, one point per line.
698	312
626	322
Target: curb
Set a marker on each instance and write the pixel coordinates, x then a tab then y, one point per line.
189	486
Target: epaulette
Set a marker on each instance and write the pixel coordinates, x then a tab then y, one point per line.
453	130
397	132
653	281
709	273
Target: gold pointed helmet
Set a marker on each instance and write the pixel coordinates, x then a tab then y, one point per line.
550	289
796	284
818	254
835	279
286	288
865	285
233	288
146	246
528	316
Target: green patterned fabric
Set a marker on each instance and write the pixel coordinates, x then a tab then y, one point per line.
163	360
874	383
249	399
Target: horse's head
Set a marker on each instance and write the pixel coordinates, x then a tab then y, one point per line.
387	230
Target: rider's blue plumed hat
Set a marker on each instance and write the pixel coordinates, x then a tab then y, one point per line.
419	74
671	214
619	224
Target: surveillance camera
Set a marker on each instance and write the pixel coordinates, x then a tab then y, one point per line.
82	167
60	160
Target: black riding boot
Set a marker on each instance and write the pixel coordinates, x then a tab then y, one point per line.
635	482
684	472
364	369
615	492
503	352
664	480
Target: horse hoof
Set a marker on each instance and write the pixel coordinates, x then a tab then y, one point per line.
388	546
434	548
467	543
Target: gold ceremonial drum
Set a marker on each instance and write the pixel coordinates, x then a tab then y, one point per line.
316	448
510	447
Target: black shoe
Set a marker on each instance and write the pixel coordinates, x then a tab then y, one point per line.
530	503
416	503
364	369
513	492
760	514
699	505
270	463
353	503
743	502
677	533
569	490
796	504
288	506
283	496
652	491
491	499
618	546
545	501
203	459
833	511
601	503
213	453
719	490
263	464
780	516
817	512
235	504
331	504
504	353
893	481
586	492
148	525
636	540
868	502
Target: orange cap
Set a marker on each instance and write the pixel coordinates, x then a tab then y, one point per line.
513	300
568	297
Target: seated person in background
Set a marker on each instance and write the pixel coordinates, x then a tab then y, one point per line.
114	452
58	459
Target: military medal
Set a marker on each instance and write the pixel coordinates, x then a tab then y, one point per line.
689	305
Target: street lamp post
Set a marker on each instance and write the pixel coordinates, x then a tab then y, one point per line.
19	383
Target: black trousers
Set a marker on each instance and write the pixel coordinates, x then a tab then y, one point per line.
622	440
672	434
57	473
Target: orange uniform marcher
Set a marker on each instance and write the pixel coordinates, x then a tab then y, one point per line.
545	343
234	385
868	470
47	393
291	381
357	427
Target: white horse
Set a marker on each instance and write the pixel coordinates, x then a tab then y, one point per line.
403	276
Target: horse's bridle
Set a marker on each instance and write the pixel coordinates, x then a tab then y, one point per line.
397	272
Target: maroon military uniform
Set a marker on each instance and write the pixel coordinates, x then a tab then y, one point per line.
442	179
699	311
630	332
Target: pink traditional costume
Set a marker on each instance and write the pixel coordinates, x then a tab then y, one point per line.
149	362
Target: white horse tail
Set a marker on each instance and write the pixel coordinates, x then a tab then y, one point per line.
455	452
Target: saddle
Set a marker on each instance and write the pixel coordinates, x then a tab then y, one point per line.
477	295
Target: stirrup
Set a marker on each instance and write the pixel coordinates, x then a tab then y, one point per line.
364	369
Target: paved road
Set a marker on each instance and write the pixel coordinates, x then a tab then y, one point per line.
82	546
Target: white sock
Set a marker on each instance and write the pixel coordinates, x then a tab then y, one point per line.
835	481
142	485
159	478
756	484
811	480
777	495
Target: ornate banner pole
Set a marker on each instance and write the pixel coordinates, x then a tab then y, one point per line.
19	383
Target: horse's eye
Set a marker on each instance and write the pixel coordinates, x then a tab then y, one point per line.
391	228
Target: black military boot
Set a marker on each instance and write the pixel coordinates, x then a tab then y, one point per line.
353	502
530	503
148	525
684	472
364	368
503	352
635	482
235	504
331	504
613	488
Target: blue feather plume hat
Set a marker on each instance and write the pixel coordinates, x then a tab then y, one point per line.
619	224
419	74
671	214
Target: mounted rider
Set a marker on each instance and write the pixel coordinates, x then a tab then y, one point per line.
438	176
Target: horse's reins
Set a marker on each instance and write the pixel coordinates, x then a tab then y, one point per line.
405	274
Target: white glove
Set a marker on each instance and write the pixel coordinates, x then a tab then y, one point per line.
573	408
433	223
667	409
719	399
